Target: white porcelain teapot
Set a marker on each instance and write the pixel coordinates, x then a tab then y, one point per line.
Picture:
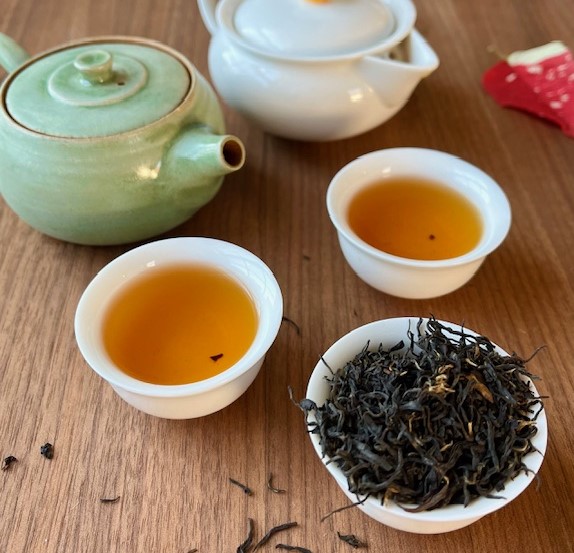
315	69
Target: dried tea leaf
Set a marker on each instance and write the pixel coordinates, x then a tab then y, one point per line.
272	532
8	462
442	419
352	540
47	450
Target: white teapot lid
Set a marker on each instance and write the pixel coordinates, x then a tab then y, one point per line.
318	28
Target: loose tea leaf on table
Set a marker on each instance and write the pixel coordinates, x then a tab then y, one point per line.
352	540
272	488
246	489
442	419
8	461
244	547
272	532
47	450
292	323
110	499
292	548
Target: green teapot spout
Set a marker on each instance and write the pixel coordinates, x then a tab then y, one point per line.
12	55
199	153
194	165
196	157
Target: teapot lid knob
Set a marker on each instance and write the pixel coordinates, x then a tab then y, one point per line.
95	66
96	78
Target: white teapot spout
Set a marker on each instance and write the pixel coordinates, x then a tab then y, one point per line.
207	11
395	74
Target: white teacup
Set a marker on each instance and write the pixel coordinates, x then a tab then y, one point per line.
414	278
182	401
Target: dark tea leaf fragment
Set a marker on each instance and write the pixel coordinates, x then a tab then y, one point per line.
352	540
292	548
344	508
272	532
244	547
293	324
271	487
110	499
305	404
217	357
246	490
47	450
193	550
441	419
8	461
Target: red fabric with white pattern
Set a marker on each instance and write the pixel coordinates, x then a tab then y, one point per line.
539	81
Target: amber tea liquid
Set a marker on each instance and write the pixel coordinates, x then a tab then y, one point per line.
179	324
415	218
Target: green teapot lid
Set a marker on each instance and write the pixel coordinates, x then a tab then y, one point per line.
97	89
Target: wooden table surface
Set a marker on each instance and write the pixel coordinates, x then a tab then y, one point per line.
172	476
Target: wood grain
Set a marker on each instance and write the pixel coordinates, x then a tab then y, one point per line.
172	476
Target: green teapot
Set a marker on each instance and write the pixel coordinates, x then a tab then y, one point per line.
109	140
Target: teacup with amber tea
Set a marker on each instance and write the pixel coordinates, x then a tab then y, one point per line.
180	327
416	223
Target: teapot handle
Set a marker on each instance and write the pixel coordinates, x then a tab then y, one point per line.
207	11
12	55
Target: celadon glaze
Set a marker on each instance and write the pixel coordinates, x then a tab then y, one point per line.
97	90
145	172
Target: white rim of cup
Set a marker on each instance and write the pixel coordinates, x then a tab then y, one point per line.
88	336
362	171
480	506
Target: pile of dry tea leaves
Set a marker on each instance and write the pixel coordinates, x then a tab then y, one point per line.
443	419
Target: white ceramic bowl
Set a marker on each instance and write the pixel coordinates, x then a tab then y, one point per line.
446	519
412	278
199	398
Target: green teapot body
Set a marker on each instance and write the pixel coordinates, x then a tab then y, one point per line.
110	140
